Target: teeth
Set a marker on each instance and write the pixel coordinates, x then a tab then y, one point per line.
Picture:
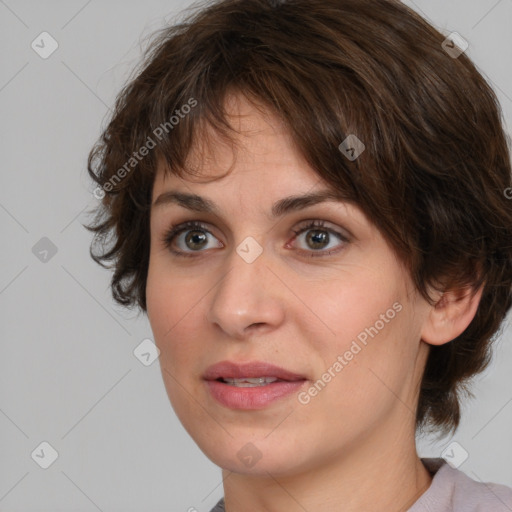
250	382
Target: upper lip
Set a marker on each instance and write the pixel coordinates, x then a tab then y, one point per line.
231	370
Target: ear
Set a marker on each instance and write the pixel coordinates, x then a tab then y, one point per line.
450	315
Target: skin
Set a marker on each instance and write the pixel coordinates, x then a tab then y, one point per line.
353	444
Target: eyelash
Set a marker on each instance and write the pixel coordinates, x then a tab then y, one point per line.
176	230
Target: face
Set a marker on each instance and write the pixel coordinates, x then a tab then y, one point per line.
313	289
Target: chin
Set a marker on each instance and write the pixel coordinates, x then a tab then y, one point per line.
244	454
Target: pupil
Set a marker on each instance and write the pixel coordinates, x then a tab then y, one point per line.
193	237
318	238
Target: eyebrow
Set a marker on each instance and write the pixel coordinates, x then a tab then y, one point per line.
286	205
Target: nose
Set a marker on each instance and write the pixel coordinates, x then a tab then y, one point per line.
248	299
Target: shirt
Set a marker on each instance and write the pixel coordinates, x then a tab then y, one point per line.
452	490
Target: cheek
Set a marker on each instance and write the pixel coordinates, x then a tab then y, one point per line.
176	312
169	305
349	308
368	336
173	311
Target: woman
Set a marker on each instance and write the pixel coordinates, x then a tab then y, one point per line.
308	199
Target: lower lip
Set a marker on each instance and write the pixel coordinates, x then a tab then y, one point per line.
256	397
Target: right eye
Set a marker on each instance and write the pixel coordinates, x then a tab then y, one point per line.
192	235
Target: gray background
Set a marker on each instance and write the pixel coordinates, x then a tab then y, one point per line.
68	373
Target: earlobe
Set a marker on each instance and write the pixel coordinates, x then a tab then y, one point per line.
450	315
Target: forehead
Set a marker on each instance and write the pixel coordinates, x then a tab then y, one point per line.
263	153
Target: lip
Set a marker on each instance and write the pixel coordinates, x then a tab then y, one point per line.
231	370
250	398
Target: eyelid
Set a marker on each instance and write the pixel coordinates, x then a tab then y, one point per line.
176	229
328	226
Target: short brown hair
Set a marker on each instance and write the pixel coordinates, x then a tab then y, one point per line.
432	177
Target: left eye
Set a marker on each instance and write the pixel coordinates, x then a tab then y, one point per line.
318	238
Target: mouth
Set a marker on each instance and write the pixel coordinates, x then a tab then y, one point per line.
255	373
252	385
248	382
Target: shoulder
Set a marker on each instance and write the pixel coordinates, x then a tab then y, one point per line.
452	490
219	507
